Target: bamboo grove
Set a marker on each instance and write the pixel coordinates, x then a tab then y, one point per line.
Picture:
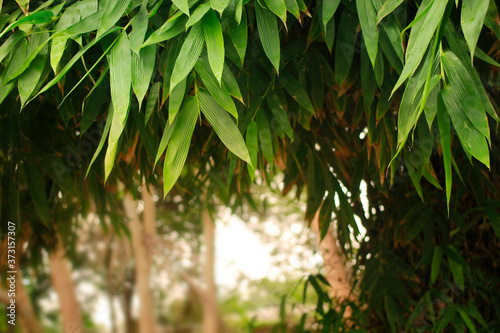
203	97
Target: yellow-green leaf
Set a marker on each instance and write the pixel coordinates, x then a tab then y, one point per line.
215	43
268	33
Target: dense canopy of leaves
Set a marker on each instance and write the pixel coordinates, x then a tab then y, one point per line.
331	92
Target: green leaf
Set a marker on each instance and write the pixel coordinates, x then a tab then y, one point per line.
239	35
219	5
238	12
218	92
173	27
445	135
460	81
37	190
10	43
420	38
278	110
268	33
139	28
215	43
154	92
293	7
329	9
198	14
143	64
41	17
253	148
344	48
112	13
165	138
367	20
29	79
103	137
278	7
468	322
471	139
175	100
387	8
180	141
473	14
448	314
296	90
231	84
93	101
265	138
119	60
58	44
189	54
436	264
223	125
183	5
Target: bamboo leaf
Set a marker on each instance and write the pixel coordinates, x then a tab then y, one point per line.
165	138
268	33
444	131
219	5
139	28
297	91
471	139
239	35
183	5
215	43
218	92
143	64
329	9
112	13
473	14
223	125
279	113
293	7
253	148
180	141
436	263
175	100
470	100
278	7
188	55
344	48
231	84
388	7
468	322
41	17
198	14
265	138
173	27
154	92
367	20
10	43
420	38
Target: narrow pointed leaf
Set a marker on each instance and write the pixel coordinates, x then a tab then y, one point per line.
165	138
182	5
218	92
224	126
139	27
104	136
189	54
253	147
153	95
387	8
143	64
367	19
279	113
473	14
198	14
231	84
444	132
180	141
329	9
37	190
219	5
173	27
215	43
278	7
268	33
296	90
175	100
112	13
239	35
265	138
41	17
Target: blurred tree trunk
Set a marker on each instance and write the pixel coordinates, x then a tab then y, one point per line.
141	237
335	271
60	276
210	309
26	316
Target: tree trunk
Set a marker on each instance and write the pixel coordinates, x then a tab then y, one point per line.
210	309
60	275
142	263
335	271
26	316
